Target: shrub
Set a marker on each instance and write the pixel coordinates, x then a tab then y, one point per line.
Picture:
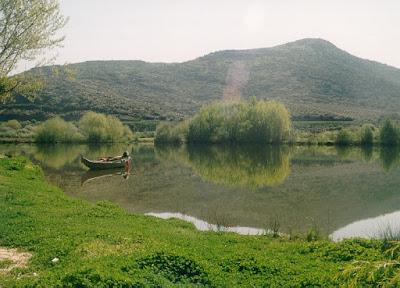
367	135
344	137
177	269
14	124
6	131
57	130
99	128
241	122
389	134
91	278
171	134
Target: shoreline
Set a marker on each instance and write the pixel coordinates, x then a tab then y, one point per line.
101	243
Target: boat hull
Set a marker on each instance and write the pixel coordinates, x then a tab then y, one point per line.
102	165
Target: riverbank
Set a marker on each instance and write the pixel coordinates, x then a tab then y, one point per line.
32	141
74	243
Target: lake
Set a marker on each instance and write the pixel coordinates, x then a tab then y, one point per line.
342	192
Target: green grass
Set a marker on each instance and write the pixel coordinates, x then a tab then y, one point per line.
4	264
99	245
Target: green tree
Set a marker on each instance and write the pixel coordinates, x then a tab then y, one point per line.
167	133
241	122
389	135
57	130
344	137
14	124
367	135
27	29
98	127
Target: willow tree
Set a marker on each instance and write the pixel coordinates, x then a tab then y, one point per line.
100	128
241	122
28	28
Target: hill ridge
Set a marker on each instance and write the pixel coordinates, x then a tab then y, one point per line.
312	76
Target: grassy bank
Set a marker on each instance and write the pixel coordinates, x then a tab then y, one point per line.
99	245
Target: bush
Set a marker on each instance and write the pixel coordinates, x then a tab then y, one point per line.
89	278
171	134
14	124
177	269
241	122
57	130
389	135
367	135
344	137
98	128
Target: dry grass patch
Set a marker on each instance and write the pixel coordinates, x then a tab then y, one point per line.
12	258
98	248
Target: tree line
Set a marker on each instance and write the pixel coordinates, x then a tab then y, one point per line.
254	121
266	122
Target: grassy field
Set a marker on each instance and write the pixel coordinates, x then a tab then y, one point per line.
99	245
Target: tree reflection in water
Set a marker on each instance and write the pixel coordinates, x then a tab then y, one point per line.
389	157
57	156
254	166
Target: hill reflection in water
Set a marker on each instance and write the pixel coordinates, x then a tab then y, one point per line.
295	188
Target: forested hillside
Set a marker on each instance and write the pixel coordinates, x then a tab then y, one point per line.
312	77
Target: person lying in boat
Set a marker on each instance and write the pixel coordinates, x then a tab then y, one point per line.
125	156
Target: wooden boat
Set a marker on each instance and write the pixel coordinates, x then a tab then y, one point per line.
102	165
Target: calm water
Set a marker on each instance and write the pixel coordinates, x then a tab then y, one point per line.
343	192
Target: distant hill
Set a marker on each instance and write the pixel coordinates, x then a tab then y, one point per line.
314	78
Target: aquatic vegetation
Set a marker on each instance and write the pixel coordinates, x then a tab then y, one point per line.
56	130
252	121
15	130
13	124
100	128
92	128
240	122
344	137
168	133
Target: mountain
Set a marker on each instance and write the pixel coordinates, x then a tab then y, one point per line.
314	78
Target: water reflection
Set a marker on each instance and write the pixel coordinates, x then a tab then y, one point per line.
96	175
389	157
284	189
367	153
205	226
57	156
61	156
248	166
386	225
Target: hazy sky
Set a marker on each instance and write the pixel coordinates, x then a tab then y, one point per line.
180	30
